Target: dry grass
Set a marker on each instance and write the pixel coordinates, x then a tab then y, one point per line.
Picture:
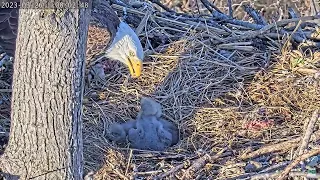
210	103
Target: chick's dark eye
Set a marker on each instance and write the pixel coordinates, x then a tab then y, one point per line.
131	53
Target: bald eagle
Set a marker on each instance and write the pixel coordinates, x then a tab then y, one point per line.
108	37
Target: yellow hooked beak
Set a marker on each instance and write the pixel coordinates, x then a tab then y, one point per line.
135	66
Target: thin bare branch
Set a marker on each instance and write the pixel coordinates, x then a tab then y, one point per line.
254	14
297	161
230	8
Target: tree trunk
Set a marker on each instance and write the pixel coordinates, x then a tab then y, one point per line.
46	127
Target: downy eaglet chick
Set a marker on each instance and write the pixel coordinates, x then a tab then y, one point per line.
119	132
148	131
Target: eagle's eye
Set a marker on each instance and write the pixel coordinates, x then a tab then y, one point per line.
131	53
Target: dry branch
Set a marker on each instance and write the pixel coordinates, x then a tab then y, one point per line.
161	5
210	6
200	163
230	8
291	174
308	132
220	23
293	14
297	161
222	17
305	175
278	147
196	166
171	171
254	14
280	165
265	176
272	148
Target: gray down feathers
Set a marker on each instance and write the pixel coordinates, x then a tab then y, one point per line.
148	132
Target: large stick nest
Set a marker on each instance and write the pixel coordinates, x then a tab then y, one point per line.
230	86
239	91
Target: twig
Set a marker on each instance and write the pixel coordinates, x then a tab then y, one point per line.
282	32
306	71
226	18
266	28
4	59
198	8
171	22
143	22
207	5
120	174
242	176
265	175
129	161
161	5
197	19
291	174
196	165
199	163
275	167
272	148
147	173
89	176
254	14
308	132
298	38
214	7
315	6
116	171
119	3
304	25
306	175
268	172
168	157
5	90
230	8
278	147
280	12
293	14
297	161
171	171
302	19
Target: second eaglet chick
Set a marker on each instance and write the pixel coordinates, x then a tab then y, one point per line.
118	132
149	107
170	127
149	134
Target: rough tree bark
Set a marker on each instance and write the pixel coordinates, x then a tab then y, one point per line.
46	127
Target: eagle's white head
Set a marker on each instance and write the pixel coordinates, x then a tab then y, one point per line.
126	48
